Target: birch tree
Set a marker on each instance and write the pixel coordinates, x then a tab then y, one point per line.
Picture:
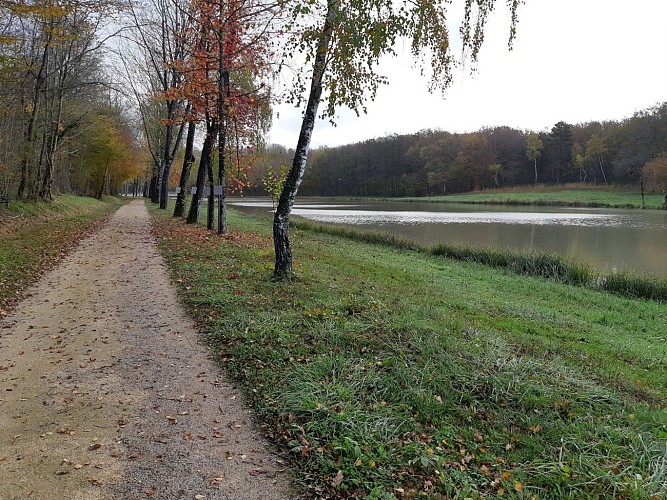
534	147
343	41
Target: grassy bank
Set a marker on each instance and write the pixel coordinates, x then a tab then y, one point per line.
386	372
35	236
543	265
553	196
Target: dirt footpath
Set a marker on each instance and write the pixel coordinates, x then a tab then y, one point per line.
106	392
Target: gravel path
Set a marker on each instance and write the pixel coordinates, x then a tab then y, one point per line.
107	393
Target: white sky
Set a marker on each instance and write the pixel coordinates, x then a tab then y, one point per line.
573	60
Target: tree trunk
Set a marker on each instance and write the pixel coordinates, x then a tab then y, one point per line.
170	153
205	163
223	113
154	188
535	160
102	188
210	213
602	171
27	159
283	249
189	159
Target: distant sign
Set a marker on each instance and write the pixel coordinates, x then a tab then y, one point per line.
177	190
217	190
194	190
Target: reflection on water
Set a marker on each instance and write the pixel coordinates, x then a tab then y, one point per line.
607	238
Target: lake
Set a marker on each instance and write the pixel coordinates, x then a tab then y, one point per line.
609	239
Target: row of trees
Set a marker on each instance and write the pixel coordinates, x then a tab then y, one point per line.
437	162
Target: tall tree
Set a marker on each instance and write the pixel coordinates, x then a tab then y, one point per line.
344	47
534	150
558	149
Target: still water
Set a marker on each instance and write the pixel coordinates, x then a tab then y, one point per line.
609	239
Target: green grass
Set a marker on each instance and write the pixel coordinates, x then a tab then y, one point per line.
538	264
386	372
34	236
553	196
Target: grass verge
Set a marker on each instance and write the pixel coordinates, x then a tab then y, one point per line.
553	196
35	236
386	372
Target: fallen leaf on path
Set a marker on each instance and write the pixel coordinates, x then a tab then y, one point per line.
94	446
338	479
216	480
150	491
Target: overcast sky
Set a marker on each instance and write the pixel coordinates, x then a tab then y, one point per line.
573	60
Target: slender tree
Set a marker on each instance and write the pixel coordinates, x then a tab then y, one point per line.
534	150
344	46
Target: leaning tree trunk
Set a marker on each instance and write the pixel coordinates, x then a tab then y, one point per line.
170	153
604	176
283	249
185	171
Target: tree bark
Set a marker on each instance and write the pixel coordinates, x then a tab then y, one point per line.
188	161
205	163
223	113
170	153
153	189
283	249
210	213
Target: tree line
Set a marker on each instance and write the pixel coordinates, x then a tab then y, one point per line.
434	162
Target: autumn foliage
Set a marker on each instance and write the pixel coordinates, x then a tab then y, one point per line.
224	80
655	173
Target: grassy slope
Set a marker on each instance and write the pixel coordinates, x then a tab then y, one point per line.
35	236
387	372
554	197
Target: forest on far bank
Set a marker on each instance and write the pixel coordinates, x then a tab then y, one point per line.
435	162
